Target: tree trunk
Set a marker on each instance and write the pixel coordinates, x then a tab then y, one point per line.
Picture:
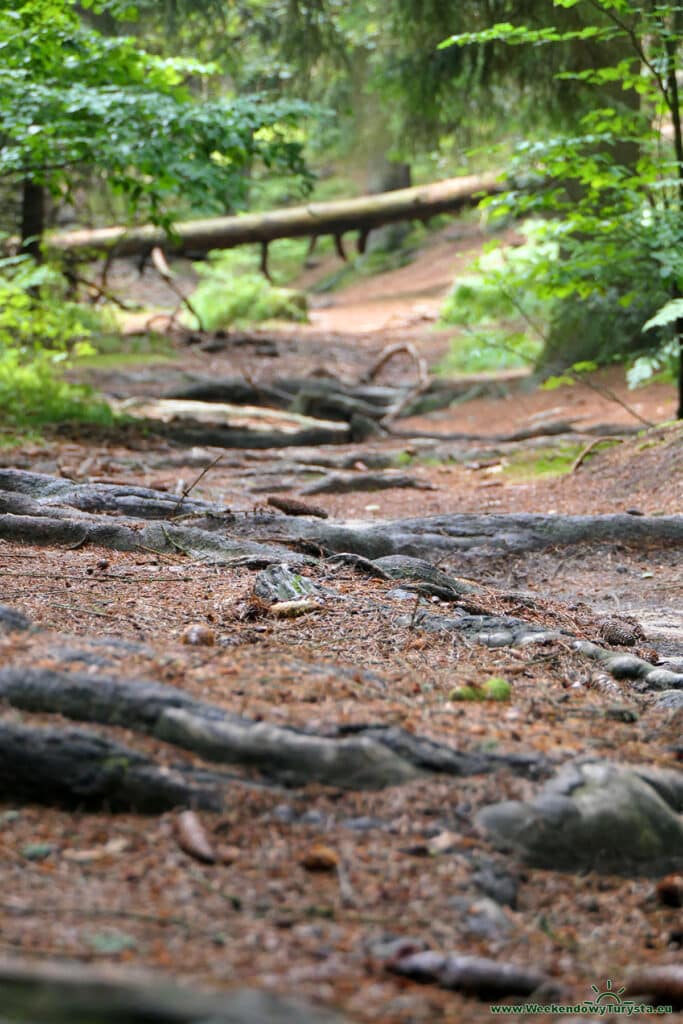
386	176
32	218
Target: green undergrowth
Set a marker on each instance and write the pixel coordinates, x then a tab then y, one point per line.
377	261
34	393
502	323
489	351
546	463
233	291
43	333
111	350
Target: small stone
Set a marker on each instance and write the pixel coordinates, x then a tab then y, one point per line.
486	920
197	634
284	813
279	583
313	817
37	851
496	638
443	842
497	884
11	619
363	823
390	947
227	854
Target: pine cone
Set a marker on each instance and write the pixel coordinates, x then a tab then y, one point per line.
621	632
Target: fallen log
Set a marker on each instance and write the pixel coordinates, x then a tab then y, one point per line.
196	238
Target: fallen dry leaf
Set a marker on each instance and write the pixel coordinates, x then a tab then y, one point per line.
320	858
198	635
192	838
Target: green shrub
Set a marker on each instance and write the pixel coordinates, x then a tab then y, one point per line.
39	333
231	293
488	351
502	319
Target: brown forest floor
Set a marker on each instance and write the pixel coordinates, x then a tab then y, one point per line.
262	917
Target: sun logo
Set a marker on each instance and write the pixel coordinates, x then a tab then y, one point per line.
608	996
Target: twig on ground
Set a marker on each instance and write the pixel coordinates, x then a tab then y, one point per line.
84	611
197	479
101	292
414	615
388	353
602	389
583	455
174	543
164	271
346	891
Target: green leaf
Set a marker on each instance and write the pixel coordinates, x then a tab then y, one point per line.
669	313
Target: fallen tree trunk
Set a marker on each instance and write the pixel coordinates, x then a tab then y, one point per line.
195	238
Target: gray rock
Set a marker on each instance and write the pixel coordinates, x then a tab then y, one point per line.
363	824
388	946
669	700
496	883
279	583
483	919
596	816
11	619
398	594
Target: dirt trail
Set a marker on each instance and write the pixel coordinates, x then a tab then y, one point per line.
403	867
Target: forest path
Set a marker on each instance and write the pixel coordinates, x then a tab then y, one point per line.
318	890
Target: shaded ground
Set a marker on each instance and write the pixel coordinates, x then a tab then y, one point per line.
413	864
